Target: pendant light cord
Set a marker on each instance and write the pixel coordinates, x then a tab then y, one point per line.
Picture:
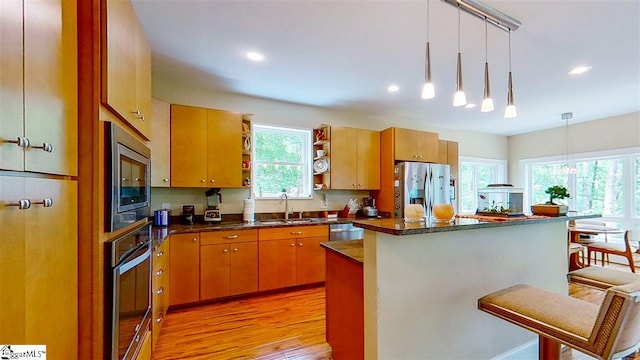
486	41
428	20
509	50
458	27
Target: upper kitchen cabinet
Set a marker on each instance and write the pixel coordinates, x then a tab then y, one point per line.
38	92
206	150
355	159
126	65
160	144
413	145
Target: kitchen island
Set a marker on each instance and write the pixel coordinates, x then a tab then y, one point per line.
422	282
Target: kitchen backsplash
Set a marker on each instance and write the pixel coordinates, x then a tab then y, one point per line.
233	200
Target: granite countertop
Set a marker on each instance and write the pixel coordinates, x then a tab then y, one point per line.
351	249
399	227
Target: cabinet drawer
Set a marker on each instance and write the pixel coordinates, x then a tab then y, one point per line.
293	232
228	236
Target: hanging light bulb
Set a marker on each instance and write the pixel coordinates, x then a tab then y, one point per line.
459	98
510	111
487	102
428	91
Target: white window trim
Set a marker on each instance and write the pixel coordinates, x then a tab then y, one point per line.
501	176
627	154
307	165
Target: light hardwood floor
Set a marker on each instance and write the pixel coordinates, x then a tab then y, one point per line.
281	326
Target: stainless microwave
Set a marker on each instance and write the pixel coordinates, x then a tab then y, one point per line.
128	175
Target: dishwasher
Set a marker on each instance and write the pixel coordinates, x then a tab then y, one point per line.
345	232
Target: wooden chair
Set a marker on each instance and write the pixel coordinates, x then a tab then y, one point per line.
625	250
607	331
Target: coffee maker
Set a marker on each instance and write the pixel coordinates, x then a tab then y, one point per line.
214	198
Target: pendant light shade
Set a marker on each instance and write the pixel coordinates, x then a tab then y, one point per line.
510	111
487	101
459	98
428	91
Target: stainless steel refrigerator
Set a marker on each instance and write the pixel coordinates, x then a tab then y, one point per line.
421	183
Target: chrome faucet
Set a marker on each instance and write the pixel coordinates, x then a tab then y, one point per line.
286	205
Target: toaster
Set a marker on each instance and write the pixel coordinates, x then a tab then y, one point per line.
212	215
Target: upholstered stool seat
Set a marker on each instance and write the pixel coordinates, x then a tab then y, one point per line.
606	331
601	278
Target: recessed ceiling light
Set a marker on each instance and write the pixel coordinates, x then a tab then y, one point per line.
470	106
579	70
254	56
393	88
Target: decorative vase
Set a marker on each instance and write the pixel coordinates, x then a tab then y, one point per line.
549	210
443	212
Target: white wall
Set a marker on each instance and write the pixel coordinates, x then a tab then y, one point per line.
299	116
617	132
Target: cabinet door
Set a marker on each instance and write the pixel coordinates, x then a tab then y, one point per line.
12	233
368	159
160	143
243	268
11	91
50	86
406	145
428	146
344	158
214	271
277	264
119	72
188	146
184	262
310	260
224	149
442	152
51	253
143	83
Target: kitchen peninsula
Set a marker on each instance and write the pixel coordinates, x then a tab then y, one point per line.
421	283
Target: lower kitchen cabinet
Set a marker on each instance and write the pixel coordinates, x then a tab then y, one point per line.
290	256
39	247
228	263
160	288
184	262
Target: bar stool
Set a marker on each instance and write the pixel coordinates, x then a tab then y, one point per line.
601	278
607	331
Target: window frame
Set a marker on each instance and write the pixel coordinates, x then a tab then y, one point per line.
306	157
501	176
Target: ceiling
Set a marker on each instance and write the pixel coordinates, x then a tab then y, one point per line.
344	55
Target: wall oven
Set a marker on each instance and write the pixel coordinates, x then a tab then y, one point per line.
128	188
127	293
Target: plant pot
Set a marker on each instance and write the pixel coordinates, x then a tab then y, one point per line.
549	210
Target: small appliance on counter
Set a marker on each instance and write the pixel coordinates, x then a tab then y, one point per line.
161	217
502	200
188	214
369	207
214	198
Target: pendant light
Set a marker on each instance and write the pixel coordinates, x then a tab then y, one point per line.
487	102
459	98
566	169
510	111
428	91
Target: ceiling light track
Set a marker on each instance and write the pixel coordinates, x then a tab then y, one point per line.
494	17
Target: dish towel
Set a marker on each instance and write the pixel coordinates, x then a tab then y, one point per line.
248	213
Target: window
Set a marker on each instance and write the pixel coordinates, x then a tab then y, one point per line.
476	173
282	162
599	185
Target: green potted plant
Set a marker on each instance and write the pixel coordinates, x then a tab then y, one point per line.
550	208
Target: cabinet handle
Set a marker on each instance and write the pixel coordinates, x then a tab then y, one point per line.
165	180
235	249
293	244
20	141
234	236
419	156
45	146
160	291
300	244
195	239
203	180
159	272
160	253
137	113
45	202
137	179
142	117
359	185
296	233
354	185
225	251
124	179
160	316
212	181
22	204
